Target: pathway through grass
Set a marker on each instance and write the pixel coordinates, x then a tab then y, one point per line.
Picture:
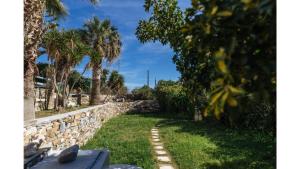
191	145
128	139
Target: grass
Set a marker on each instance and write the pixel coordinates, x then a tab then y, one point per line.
192	145
211	146
45	113
128	139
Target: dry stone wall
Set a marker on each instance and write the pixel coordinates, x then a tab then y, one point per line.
77	127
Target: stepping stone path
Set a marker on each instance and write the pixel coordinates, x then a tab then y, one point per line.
163	158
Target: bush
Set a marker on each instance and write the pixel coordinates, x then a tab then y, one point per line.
143	93
172	98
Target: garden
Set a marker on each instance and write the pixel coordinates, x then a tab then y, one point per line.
219	114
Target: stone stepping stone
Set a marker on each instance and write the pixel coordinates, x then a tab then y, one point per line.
165	166
155	137
158	147
157	144
164	159
160	152
155	134
156	140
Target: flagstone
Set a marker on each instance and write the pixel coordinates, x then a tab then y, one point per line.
156	140
158	147
160	152
164	159
157	144
165	166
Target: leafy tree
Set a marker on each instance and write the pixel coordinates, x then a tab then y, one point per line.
104	42
227	48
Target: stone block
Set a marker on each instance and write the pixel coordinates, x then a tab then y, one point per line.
164	159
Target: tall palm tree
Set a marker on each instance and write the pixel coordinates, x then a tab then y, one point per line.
105	43
34	29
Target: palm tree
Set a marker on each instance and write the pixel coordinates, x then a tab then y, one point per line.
34	28
65	50
105	43
116	82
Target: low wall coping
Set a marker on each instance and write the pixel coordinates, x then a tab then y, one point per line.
63	115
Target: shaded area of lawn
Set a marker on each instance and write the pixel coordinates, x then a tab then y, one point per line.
209	145
192	145
128	139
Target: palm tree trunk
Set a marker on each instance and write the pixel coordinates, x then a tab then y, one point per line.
49	98
33	30
29	96
95	93
60	79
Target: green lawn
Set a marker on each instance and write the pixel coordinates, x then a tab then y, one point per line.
128	139
192	145
201	145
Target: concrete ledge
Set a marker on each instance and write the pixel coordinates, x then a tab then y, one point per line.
67	114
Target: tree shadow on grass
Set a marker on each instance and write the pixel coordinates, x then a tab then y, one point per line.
235	148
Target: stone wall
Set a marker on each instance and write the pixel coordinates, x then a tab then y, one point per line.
77	127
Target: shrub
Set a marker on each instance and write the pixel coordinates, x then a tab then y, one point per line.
143	93
172	97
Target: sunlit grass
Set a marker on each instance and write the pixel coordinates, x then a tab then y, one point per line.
128	139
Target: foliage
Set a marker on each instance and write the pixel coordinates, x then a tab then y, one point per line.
103	39
116	83
143	93
65	50
79	81
172	98
227	48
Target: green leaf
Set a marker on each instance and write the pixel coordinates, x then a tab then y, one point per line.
224	13
232	102
215	97
222	66
236	90
217	113
223	101
214	10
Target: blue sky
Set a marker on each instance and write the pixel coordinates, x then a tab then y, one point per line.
136	58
